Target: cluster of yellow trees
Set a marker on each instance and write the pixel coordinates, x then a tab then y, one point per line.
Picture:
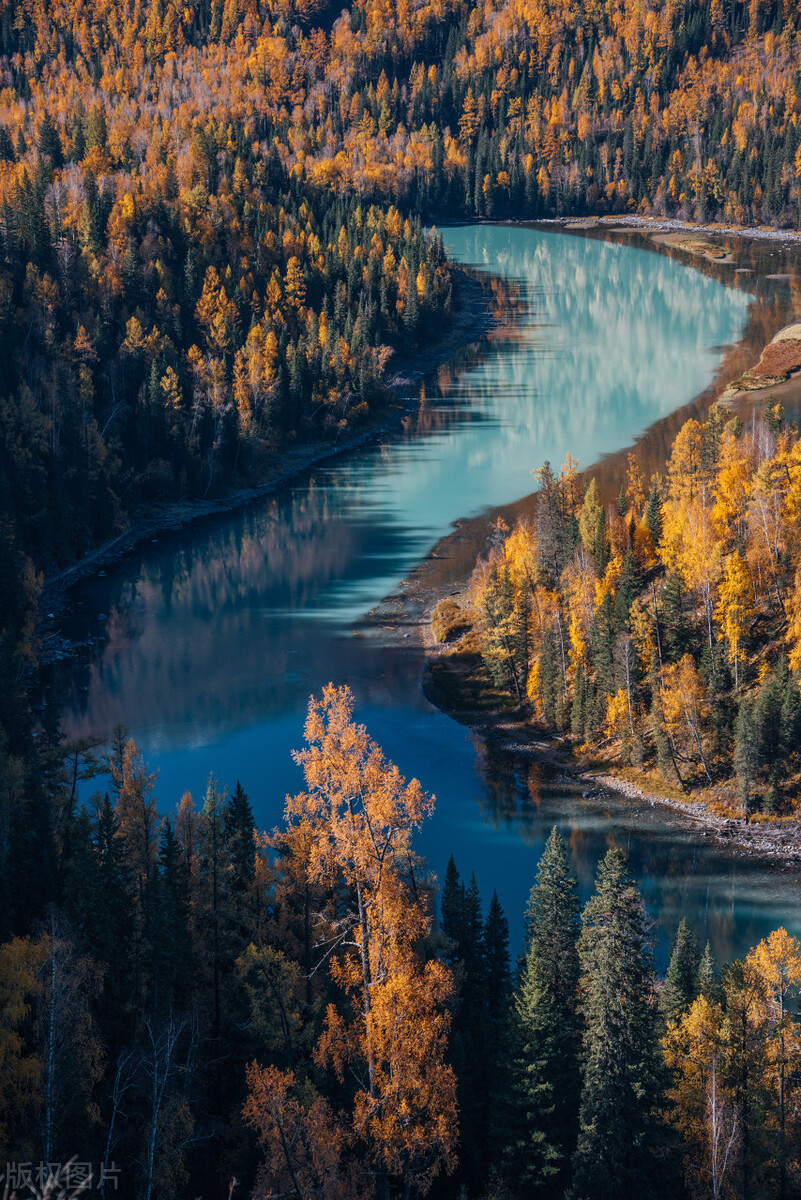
671	620
732	1058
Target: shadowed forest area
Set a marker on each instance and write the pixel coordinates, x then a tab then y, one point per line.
206	1010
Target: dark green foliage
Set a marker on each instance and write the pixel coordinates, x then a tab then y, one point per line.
497	970
677	633
618	1129
653	515
681	981
478	1033
746	753
173	951
543	1071
452	905
708	979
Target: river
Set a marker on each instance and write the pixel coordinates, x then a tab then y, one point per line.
209	641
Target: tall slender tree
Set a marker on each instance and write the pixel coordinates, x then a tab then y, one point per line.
618	1127
681	979
545	1081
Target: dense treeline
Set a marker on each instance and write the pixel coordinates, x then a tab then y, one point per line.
164	358
201	1009
669	622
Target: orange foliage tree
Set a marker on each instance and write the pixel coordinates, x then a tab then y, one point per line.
357	816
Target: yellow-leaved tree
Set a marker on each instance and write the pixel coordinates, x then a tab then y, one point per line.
701	1105
776	963
358	815
735	608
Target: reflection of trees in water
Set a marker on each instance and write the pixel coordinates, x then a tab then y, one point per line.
776	303
210	633
728	901
598	324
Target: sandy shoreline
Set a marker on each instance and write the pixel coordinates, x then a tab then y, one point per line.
670	225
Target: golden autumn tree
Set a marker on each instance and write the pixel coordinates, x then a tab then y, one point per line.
21	962
685	706
794	624
776	962
357	816
735	608
304	1143
701	1106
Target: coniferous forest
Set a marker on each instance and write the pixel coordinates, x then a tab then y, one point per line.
217	246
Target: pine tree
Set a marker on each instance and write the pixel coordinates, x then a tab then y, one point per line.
543	1071
113	928
496	967
498	991
675	622
239	825
681	979
620	1062
653	515
172	970
746	754
452	906
708	979
468	1046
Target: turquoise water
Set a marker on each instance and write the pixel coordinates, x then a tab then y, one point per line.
214	637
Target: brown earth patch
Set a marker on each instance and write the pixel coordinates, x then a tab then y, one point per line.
778	360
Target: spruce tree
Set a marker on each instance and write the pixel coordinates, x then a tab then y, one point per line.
544	1039
239	825
496	967
746	754
498	994
172	948
681	979
452	906
614	1155
462	923
708	980
653	515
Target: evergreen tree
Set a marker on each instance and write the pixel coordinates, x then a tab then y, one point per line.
498	994
462	924
544	1041
113	928
496	968
618	1129
681	979
675	621
452	906
653	515
172	971
708	980
239	826
746	754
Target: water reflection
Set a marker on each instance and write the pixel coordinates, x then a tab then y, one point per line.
212	639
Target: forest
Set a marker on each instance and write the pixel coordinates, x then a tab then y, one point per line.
205	1010
668	625
216	245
